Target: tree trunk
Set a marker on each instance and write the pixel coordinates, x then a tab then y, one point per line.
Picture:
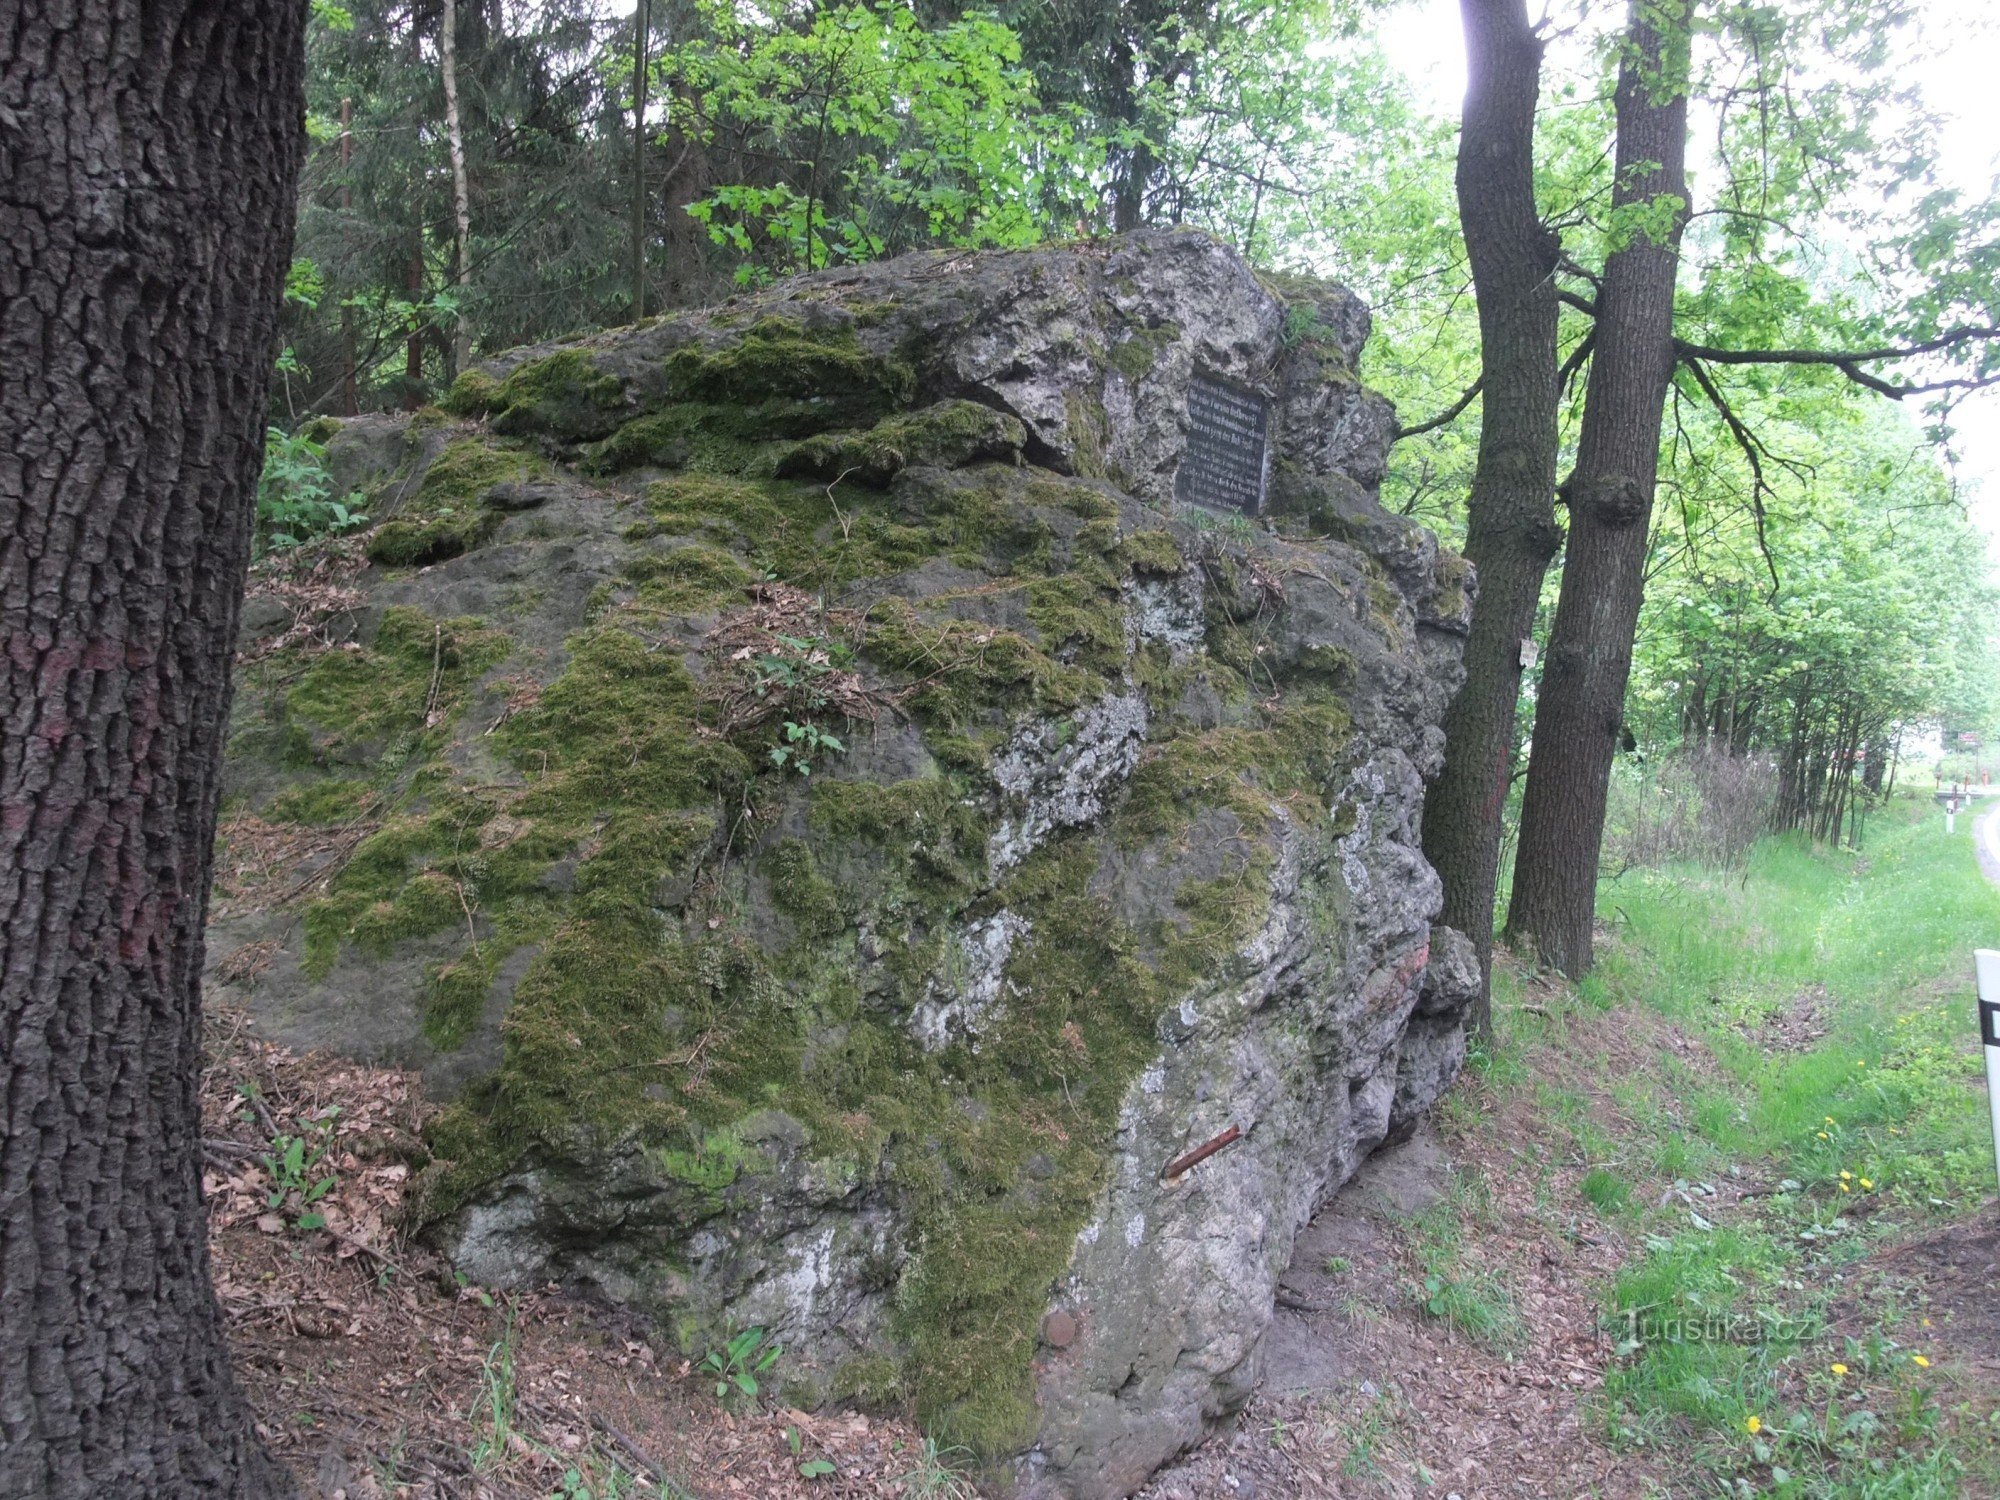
641	29
350	387
461	199
147	173
1581	711
1510	515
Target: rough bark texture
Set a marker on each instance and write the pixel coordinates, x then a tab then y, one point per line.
1610	497
1511	531
147	166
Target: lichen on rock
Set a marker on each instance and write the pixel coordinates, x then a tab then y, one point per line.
832	827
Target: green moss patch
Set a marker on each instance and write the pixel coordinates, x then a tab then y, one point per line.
1136	355
383	702
949	435
1154	552
964	671
778	359
445	518
564	396
323	803
710	439
689	578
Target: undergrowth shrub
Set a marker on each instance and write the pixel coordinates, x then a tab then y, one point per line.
295	499
1698	804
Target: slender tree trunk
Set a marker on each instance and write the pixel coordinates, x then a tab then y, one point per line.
461	199
350	386
1510	515
641	28
413	345
147	173
1581	712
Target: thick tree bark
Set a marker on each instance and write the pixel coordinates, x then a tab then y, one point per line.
1580	714
147	168
1510	515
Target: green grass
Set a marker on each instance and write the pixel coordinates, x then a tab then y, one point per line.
1467	1296
1873	1132
1889	933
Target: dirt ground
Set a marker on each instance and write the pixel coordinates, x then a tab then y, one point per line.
375	1373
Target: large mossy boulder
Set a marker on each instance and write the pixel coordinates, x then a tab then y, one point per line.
834	827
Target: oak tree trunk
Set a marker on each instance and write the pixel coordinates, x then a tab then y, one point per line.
148	159
1510	515
1580	714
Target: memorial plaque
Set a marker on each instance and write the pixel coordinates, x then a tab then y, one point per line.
1227	456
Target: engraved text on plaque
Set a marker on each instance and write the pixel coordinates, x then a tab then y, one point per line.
1227	455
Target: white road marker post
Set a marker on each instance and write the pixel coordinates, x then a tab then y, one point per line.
1986	965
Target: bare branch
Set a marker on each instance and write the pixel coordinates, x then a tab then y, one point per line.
1448	415
1849	361
1754	452
1576	358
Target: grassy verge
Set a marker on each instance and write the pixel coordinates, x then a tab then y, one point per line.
1818	1099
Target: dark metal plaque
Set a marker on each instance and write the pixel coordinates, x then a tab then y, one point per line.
1228	457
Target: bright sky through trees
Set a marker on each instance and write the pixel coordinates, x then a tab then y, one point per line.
1956	50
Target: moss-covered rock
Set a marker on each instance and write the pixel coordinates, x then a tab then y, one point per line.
447	517
949	434
564	396
830	871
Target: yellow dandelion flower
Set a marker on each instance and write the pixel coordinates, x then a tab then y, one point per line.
1846	1176
1829	1119
1840	1369
1865	1183
1845	1188
1920	1362
1753	1424
1859	1064
1824	1136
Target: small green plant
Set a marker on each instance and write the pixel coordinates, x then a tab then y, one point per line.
293	1164
938	1474
295	499
809	1468
479	1293
1337	1265
603	1481
1606	1190
799	680
1470	1299
738	1363
493	1407
803	743
1476	1306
